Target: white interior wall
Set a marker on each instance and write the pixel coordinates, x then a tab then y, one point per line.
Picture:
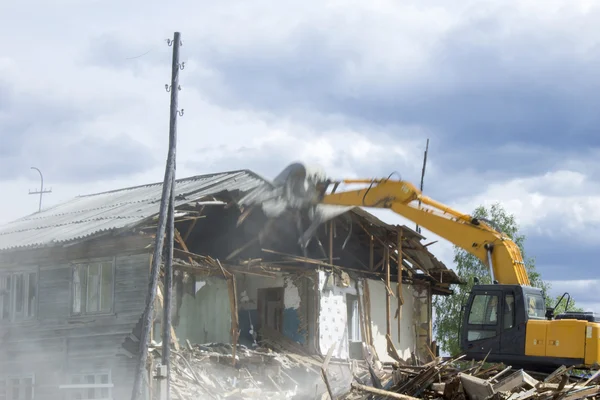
407	340
333	315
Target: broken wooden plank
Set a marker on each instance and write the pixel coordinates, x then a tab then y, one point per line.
159	297
592	378
388	306
324	371
382	392
391	348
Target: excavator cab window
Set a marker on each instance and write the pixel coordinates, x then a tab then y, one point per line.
509	310
484	312
536	307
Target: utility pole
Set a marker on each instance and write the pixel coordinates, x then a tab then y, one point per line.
418	228
41	191
165	223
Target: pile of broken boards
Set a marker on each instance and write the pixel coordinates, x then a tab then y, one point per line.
208	372
451	379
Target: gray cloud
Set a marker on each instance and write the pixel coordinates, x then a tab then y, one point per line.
53	136
584	292
489	90
562	258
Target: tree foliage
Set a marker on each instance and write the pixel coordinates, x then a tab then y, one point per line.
468	267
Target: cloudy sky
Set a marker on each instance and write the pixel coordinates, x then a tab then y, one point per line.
507	92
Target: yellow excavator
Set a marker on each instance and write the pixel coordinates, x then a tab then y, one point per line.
506	321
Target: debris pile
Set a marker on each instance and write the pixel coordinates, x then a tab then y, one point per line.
451	379
211	371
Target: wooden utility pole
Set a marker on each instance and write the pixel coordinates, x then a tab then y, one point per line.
165	223
418	229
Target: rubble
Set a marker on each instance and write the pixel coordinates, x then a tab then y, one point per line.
451	379
208	371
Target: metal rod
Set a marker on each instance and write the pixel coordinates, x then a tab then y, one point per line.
489	257
418	229
41	191
165	205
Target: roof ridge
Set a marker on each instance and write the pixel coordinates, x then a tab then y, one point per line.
188	178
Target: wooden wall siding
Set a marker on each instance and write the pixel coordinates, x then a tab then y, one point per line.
91	248
55	341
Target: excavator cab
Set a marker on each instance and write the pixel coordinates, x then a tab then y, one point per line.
510	324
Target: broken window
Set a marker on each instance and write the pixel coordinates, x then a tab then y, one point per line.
16	387
93	288
18	295
89	386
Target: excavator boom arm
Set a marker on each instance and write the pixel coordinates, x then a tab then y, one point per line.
475	236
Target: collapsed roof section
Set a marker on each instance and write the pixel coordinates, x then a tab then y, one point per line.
204	200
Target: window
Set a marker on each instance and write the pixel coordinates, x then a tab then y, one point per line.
14	387
353	318
93	288
536	307
484	310
509	311
89	386
18	295
475	334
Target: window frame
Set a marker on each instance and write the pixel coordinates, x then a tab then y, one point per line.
71	388
4	386
485	317
86	264
513	312
354	320
537	297
485	330
26	271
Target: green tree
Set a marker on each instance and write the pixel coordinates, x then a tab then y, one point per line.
468	267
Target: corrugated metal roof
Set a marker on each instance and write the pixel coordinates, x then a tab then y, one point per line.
89	215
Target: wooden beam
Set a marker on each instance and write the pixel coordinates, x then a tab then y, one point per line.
371	254
324	371
181	242
159	296
331	242
386	255
190	229
400	269
382	392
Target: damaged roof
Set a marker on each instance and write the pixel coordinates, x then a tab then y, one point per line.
90	215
